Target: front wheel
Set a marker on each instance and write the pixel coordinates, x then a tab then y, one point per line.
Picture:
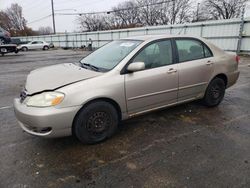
95	122
215	92
24	48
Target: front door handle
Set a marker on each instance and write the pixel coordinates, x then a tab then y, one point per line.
171	70
209	62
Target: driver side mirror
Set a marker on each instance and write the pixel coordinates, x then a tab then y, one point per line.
136	66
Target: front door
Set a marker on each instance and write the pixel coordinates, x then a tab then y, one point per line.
157	85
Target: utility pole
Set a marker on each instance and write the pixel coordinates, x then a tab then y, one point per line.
197	13
53	16
173	12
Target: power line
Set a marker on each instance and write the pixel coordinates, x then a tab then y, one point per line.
117	10
40	19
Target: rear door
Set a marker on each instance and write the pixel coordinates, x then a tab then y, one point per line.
39	45
157	85
195	68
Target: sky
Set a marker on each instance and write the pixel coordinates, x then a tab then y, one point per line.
34	10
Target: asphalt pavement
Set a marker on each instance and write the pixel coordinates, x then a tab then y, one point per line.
189	145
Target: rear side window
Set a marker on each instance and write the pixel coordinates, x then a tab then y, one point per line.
189	49
207	52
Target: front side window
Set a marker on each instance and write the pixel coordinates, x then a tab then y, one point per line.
189	49
155	55
35	42
108	56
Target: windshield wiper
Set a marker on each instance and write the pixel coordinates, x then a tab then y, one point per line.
91	66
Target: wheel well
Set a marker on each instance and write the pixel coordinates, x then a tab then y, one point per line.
114	103
223	77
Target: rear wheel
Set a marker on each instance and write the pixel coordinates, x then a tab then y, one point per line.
95	122
215	92
45	48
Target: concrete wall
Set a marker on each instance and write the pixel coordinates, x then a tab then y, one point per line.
223	33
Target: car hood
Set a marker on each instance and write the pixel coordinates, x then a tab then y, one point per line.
56	76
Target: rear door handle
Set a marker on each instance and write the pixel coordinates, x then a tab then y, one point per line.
209	62
171	70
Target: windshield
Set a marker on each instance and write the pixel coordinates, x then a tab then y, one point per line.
108	56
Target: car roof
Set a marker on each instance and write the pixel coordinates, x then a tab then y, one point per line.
155	37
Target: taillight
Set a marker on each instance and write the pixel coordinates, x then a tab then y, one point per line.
237	59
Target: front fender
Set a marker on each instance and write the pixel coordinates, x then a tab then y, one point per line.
80	93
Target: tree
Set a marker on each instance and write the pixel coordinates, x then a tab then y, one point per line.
180	11
137	13
5	21
222	9
150	12
92	22
16	18
126	14
45	30
13	21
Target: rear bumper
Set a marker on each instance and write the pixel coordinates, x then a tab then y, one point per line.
45	122
232	78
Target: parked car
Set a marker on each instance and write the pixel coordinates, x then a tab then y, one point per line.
34	45
4	36
51	45
120	80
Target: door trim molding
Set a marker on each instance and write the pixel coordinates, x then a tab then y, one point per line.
161	107
193	85
152	94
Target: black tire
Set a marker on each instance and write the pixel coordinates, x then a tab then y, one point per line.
45	48
95	122
215	92
24	48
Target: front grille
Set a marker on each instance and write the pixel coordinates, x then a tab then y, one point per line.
23	95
